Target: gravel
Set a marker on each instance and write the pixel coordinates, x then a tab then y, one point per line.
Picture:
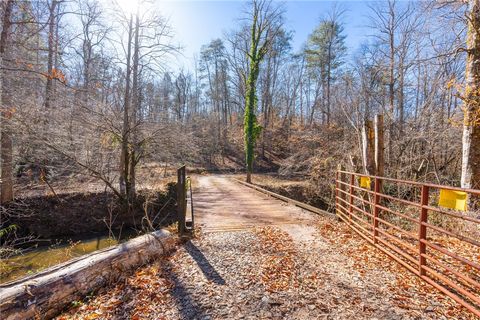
220	275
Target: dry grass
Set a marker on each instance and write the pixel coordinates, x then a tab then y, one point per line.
151	176
296	188
274	181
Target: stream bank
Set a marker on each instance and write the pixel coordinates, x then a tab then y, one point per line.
59	228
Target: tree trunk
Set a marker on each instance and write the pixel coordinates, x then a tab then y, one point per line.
401	97
51	49
391	90
471	129
6	137
124	156
47	293
250	121
135	108
250	118
329	77
368	148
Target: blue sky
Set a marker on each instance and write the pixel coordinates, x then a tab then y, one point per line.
197	22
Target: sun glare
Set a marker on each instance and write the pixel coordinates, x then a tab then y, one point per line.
127	6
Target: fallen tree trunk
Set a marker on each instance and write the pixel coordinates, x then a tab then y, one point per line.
47	293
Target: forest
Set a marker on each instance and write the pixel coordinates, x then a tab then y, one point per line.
95	116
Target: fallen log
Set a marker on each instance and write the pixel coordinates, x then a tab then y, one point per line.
47	293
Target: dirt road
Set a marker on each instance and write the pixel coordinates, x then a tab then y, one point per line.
258	258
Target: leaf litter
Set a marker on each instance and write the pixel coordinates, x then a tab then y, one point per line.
265	274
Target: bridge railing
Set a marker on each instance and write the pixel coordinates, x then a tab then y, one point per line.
424	227
184	201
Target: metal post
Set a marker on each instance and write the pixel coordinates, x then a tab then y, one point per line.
376	209
350	208
336	193
422	230
379	146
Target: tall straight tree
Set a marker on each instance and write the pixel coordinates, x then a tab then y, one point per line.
6	137
325	52
396	25
266	24
148	42
124	154
52	45
213	67
135	107
471	129
270	82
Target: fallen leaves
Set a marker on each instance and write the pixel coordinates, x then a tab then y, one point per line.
408	291
134	298
278	269
267	274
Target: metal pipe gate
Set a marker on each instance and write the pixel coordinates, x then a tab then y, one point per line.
416	225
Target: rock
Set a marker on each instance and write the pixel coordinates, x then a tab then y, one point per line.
265	300
429	309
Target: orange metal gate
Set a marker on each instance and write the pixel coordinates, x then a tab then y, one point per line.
421	226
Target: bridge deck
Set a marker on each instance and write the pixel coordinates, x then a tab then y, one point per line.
223	204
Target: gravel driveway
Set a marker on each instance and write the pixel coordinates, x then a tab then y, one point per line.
258	258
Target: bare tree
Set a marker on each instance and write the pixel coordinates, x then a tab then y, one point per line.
266	23
471	129
6	138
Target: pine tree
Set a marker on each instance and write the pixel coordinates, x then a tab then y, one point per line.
325	52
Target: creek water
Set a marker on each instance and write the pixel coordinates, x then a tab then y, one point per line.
43	257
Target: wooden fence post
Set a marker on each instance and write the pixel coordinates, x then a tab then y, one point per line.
191	207
336	191
379	146
368	148
181	199
422	230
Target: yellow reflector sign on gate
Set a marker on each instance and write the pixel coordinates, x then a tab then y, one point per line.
365	182
453	199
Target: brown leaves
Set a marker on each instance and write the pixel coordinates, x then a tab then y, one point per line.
7	113
408	291
135	298
56	74
278	269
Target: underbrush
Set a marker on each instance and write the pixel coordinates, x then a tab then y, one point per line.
80	214
295	188
45	220
42	231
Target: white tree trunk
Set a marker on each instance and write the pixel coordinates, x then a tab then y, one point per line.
471	129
